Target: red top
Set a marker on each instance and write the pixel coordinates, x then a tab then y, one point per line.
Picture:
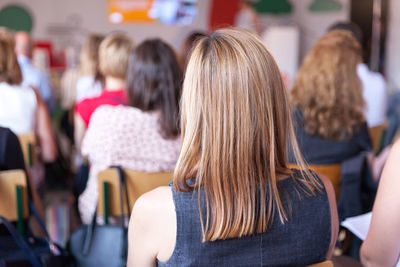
86	107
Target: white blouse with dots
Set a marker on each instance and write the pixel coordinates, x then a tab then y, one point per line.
128	137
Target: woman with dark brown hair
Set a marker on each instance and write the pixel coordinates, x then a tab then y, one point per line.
328	102
142	136
233	201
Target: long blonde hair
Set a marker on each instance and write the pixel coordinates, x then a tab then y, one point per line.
327	89
236	125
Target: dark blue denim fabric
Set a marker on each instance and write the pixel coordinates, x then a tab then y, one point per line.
318	150
301	241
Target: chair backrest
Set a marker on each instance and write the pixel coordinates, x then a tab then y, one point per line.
13	204
322	264
138	183
28	142
331	171
376	134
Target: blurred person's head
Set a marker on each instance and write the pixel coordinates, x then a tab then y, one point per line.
351	27
154	82
23	44
10	71
89	57
327	89
236	127
187	47
114	54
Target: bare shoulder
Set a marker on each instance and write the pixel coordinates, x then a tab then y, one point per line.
154	204
152	228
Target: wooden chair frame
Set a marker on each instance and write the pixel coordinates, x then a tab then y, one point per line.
138	183
14	197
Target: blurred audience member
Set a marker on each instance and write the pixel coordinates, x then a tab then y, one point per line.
69	79
21	107
373	83
328	102
144	135
247	17
31	75
114	54
91	81
187	46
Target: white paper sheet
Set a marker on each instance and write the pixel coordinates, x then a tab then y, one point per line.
358	225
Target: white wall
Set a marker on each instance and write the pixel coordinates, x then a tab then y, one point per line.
67	22
392	67
311	25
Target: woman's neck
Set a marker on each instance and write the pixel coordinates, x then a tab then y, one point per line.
114	84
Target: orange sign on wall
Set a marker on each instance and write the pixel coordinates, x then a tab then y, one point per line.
125	11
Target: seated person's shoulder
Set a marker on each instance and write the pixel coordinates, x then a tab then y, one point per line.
154	205
154	200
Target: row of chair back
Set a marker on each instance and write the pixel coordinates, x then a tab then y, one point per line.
331	171
28	142
14	197
377	134
138	183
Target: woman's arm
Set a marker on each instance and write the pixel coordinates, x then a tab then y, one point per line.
382	245
44	131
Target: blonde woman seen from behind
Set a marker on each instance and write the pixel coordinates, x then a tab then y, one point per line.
233	201
114	54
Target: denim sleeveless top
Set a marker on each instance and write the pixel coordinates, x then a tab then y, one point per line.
302	240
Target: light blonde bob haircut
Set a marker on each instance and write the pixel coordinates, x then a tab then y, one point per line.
327	89
236	126
10	71
114	55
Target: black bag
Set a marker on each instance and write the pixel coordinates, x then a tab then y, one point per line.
102	245
29	250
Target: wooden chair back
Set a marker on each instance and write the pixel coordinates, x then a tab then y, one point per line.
331	171
14	197
28	142
138	183
376	134
326	263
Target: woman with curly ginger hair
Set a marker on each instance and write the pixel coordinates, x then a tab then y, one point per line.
328	101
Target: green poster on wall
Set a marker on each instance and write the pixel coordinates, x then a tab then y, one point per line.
325	6
16	18
273	6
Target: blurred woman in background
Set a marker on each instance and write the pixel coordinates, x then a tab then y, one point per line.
144	135
187	47
21	108
91	81
328	102
114	54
